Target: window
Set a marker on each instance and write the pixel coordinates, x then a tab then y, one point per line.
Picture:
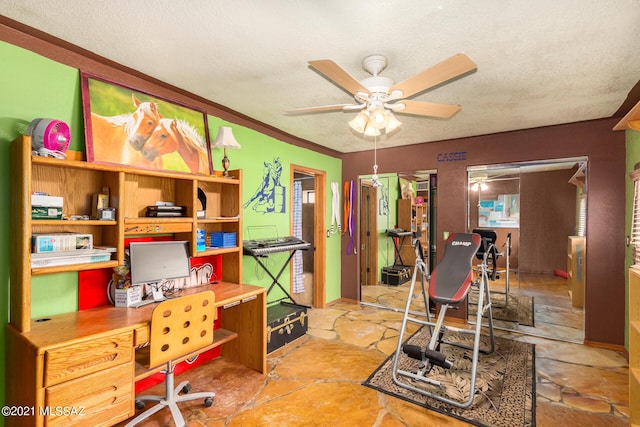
635	220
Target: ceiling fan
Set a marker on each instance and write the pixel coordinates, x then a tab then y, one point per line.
379	97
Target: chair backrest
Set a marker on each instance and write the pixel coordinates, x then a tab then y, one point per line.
488	237
180	326
452	277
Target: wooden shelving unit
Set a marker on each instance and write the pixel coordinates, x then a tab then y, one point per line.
634	346
412	217
131	191
86	358
576	270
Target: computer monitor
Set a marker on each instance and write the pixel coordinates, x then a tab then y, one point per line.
154	262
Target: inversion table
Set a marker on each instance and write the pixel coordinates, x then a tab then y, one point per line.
449	285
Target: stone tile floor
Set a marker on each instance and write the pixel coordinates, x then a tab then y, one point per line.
316	380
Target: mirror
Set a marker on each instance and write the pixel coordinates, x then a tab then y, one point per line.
537	210
402	202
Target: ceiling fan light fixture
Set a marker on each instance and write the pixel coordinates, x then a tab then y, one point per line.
359	123
371	130
479	186
392	122
378	117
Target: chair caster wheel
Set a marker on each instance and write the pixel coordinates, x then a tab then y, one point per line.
208	402
186	389
139	404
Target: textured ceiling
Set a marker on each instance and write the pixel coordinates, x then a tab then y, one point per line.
539	62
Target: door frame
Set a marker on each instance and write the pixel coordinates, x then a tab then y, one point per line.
319	236
368	257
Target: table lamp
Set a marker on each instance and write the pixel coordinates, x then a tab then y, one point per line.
225	139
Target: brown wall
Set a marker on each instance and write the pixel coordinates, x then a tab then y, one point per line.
547	219
605	149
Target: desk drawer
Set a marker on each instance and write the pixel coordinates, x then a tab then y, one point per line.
87	357
141	335
102	399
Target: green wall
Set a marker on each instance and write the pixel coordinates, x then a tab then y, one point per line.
33	86
633	157
256	149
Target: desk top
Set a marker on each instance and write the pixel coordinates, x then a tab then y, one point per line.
63	329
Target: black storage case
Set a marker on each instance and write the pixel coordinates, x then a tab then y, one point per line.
286	322
396	274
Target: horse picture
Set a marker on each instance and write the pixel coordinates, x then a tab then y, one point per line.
177	136
116	132
128	127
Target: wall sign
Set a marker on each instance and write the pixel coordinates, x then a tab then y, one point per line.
454	156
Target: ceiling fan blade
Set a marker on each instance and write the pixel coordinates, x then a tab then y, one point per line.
335	107
446	70
337	74
431	109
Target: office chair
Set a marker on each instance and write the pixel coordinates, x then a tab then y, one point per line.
489	238
449	285
489	244
180	328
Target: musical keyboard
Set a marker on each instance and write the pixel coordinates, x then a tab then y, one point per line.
397	232
260	248
273	245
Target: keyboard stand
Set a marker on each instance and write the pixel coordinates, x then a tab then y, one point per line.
276	278
397	237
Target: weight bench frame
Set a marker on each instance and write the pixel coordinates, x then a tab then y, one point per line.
452	278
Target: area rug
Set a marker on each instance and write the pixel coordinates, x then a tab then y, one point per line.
519	309
505	387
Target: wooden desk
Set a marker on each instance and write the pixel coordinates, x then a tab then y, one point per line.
84	361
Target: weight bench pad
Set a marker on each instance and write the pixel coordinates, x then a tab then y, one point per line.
453	276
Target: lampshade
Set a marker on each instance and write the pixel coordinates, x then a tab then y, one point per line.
378	118
360	122
392	122
225	138
479	185
371	130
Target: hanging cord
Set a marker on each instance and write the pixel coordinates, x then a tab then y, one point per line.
374	178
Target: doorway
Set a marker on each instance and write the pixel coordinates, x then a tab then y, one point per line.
308	223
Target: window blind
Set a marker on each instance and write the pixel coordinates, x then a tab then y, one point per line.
582	216
635	221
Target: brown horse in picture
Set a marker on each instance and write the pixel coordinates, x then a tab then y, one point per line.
177	135
111	134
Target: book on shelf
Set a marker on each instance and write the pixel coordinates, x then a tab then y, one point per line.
85	256
166	211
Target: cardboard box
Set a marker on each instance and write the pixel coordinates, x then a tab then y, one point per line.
127	297
46	201
46	212
56	242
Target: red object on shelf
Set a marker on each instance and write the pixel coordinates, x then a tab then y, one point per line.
92	288
560	273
